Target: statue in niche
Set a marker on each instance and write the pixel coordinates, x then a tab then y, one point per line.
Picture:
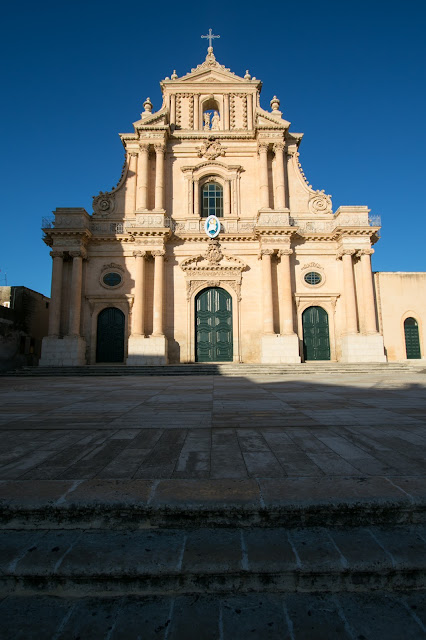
206	121
215	120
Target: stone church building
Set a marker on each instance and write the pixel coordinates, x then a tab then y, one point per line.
139	281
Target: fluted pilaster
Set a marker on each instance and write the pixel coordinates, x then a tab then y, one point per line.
138	312
367	285
268	309
286	298
56	293
75	296
157	327
349	290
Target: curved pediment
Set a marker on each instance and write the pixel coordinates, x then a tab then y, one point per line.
213	259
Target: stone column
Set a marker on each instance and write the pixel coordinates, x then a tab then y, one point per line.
130	196
264	183
159	176
286	299
367	283
226	112
157	327
227	198
75	295
349	293
138	325
196	111
142	189
279	176
56	292
173	108
197	210
249	111
268	309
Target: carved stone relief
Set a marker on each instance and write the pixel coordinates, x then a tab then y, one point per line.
104	204
320	203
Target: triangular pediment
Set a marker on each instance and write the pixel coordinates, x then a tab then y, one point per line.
160	117
210	71
265	119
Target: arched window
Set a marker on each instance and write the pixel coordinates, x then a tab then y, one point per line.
212	200
412	341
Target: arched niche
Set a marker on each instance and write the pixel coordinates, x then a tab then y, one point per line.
211	114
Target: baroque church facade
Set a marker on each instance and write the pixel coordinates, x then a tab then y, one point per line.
140	281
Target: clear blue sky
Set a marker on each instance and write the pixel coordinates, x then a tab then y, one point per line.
350	75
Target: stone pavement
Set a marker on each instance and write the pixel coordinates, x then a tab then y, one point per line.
212	427
213	507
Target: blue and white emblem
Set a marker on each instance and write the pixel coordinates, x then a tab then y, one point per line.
212	226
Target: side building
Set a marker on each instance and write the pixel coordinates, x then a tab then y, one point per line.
143	281
24	317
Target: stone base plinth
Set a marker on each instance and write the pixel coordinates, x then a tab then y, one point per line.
359	348
276	349
69	351
151	350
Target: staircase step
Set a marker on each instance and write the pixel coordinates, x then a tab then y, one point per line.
183	561
219	369
243	503
260	616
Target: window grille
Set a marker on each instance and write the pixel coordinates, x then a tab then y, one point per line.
212	200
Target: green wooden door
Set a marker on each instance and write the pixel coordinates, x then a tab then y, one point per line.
213	326
110	336
316	338
412	341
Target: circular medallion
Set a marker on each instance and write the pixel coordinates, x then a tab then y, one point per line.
212	226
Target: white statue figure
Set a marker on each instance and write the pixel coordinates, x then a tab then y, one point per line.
206	121
215	120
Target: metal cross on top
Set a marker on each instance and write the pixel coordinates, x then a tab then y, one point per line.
210	37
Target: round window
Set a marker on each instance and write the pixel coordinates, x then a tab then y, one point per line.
313	277
112	279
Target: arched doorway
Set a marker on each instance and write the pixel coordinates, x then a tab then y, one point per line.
110	336
213	326
316	336
412	341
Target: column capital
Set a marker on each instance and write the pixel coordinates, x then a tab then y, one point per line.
262	147
267	252
139	254
285	252
346	252
365	252
279	146
159	147
158	252
80	253
144	147
132	154
57	254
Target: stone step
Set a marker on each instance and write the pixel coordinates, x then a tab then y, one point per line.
173	503
213	560
259	616
217	369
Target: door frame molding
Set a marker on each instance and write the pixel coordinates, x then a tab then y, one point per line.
97	304
233	288
318	299
417	318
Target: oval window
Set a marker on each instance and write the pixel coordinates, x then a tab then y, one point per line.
112	279
312	277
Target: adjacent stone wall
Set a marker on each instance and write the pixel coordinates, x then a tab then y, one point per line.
399	296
